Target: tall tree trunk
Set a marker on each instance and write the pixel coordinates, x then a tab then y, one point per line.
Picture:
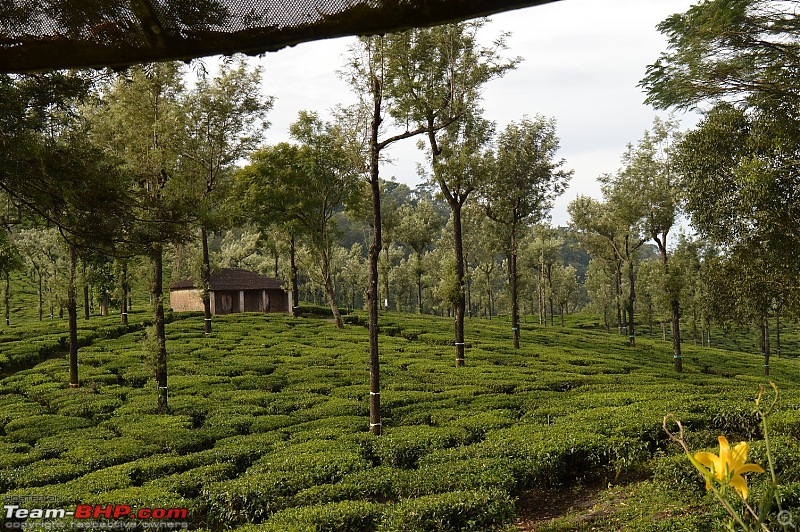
7	298
540	292
618	288
550	293
631	302
675	304
777	333
375	423
41	297
277	257
124	282
205	281
561	312
512	273
329	290
489	293
676	335
293	275
157	295
460	306
419	283
468	286
386	278
765	348
72	310
86	309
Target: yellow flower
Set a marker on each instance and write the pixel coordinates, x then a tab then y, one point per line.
729	466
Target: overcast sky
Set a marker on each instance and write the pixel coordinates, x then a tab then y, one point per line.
582	62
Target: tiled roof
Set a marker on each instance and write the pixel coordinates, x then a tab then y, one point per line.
233	279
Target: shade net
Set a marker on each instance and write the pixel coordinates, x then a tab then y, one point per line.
54	34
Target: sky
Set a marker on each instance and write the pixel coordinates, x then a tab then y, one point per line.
582	61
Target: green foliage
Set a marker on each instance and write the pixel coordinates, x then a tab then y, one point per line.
353	516
674	473
288	439
457	510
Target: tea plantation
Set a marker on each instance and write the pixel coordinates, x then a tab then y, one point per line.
268	427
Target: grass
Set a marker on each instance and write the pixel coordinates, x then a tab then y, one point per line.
268	427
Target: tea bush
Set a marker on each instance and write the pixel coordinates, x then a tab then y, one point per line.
268	423
454	511
355	516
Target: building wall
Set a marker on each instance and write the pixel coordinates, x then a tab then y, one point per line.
186	300
228	302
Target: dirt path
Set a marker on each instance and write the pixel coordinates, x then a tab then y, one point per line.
537	507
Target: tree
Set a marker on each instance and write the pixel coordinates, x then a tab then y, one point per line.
741	57
418	228
271	197
10	260
565	288
525	181
425	79
649	183
136	123
542	250
304	185
462	163
329	183
727	50
223	119
483	238
599	285
738	169
393	196
602	237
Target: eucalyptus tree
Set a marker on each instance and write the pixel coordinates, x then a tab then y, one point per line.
419	225
425	80
223	119
136	121
525	180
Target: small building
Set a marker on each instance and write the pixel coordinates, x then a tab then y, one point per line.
232	290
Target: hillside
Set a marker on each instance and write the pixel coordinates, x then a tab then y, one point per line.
269	425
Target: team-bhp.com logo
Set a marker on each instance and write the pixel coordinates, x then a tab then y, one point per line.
85	516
